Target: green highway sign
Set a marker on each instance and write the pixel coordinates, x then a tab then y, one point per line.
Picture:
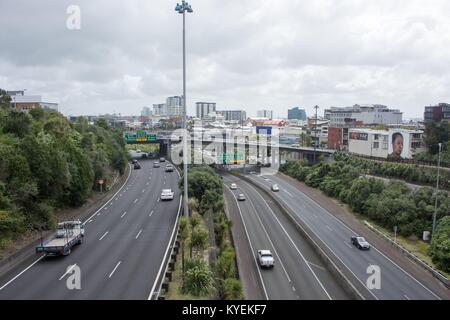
139	136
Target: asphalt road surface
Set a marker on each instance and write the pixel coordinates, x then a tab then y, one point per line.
299	274
395	283
124	246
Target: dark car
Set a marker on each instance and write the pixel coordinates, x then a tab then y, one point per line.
137	165
360	243
162	159
134	161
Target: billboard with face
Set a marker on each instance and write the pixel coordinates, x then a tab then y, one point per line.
399	145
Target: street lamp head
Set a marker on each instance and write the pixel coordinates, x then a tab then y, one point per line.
183	7
179	8
189	9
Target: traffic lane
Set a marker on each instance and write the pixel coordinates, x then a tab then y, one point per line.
307	281
248	268
36	282
276	281
397	284
131	260
322	278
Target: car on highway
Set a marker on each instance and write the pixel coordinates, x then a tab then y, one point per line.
360	243
241	197
233	186
134	161
162	159
275	188
167	194
265	259
169	168
137	166
138	151
156	164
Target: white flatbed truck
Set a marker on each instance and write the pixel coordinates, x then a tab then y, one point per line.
68	234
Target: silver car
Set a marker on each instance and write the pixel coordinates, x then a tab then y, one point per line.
265	259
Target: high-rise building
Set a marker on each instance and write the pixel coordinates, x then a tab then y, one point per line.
437	113
172	107
146	112
204	109
297	114
265	114
362	114
234	115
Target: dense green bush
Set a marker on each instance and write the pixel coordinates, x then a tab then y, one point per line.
440	245
391	204
47	162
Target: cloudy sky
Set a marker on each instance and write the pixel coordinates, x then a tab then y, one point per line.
241	54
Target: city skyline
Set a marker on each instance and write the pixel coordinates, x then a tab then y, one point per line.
379	54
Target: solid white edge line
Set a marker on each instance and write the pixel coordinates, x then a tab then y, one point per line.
84	223
6	284
68	271
104	235
168	247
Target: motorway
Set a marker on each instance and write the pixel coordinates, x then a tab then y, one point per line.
396	283
299	274
124	246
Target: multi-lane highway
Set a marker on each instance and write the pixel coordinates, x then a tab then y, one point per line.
125	243
396	283
298	272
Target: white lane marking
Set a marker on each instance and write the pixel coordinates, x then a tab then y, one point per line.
25	270
407	298
289	194
98	214
89	221
115	268
117	198
251	247
348	245
106	208
151	213
293	288
354	233
290	239
136	200
84	223
147	183
123	215
121	188
139	233
157	200
68	271
167	250
143	190
103	236
326	245
329	228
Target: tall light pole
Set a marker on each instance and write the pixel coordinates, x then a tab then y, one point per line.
437	190
315	135
182	9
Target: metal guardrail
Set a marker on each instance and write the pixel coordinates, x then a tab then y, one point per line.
412	256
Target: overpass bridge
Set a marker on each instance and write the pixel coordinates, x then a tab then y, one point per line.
167	141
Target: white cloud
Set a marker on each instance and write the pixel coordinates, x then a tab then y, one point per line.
252	54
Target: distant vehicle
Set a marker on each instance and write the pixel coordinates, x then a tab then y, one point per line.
167	194
162	159
295	145
134	161
138	151
241	197
275	188
68	234
169	168
265	259
360	243
137	166
233	186
156	164
144	156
